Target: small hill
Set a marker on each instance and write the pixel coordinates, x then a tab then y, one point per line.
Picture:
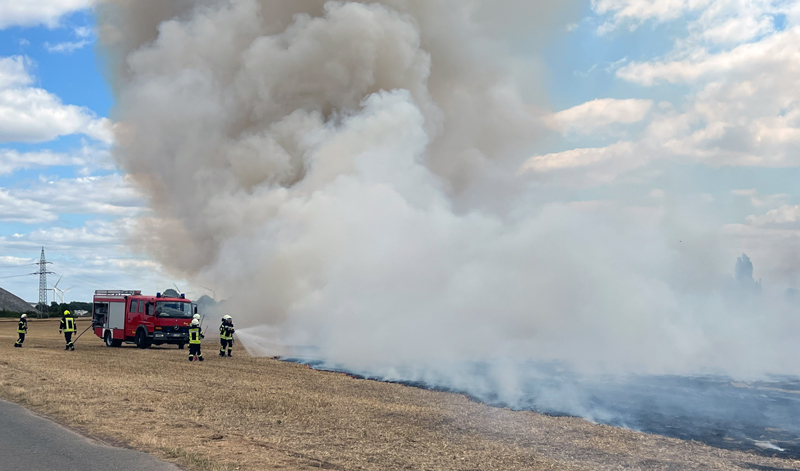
13	303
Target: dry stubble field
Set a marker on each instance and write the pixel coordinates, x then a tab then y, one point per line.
261	414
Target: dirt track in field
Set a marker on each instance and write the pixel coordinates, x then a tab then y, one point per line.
261	414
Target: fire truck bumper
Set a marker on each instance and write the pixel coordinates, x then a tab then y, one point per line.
170	337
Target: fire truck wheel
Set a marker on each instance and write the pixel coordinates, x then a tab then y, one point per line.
110	341
180	345
141	339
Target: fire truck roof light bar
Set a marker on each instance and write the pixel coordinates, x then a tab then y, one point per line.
116	292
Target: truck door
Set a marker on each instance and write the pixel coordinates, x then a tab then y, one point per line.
116	315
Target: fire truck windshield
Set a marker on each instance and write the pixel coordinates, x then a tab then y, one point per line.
174	309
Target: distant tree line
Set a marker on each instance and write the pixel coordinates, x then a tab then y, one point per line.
12	314
53	310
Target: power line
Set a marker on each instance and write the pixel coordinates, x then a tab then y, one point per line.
16	276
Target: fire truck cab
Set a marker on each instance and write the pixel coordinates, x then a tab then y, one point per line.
128	316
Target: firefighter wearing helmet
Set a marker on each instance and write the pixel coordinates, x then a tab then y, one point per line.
69	327
22	329
195	336
226	331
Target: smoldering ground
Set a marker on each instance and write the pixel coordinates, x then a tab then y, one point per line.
348	173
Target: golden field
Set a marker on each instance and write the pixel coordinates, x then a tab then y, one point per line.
246	413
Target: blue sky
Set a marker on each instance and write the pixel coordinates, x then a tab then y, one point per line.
60	188
649	102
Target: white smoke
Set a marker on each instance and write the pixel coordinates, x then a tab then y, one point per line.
346	174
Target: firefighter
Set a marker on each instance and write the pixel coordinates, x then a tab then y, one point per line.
226	331
22	329
195	336
68	327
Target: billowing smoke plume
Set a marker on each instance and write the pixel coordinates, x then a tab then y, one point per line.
346	173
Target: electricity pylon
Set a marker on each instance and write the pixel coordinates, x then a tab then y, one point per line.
43	308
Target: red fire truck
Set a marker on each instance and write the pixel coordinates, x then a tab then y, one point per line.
128	316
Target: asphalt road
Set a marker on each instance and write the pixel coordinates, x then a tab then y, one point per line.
31	443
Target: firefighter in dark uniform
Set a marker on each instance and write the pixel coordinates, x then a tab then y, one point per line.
68	327
195	336
226	331
22	329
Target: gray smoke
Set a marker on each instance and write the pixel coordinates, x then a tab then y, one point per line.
346	174
744	274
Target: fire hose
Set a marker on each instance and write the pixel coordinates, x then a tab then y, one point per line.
87	329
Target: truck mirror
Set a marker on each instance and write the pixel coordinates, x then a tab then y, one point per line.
195	309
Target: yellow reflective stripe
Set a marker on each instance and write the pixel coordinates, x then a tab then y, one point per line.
70	325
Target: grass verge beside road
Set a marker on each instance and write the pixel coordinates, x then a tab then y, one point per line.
245	413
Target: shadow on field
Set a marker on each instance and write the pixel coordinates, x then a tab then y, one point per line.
766	468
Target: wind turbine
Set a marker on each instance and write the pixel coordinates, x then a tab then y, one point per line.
59	292
63	292
55	289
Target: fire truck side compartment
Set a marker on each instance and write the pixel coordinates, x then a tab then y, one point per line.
116	315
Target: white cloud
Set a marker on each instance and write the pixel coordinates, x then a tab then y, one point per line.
769	55
575	158
763	201
785	217
14	72
6	261
85	36
597	114
746	110
634	12
84	31
743	107
111	194
67	47
36	12
87	157
28	211
94	256
48	200
586	166
29	114
712	22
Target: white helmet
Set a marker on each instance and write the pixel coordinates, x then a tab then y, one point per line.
24	316
196	316
195	322
226	317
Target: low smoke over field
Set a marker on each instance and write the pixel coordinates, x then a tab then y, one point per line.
266	414
351	176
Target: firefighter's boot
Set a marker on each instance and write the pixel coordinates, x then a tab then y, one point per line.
200	358
191	357
222	352
230	352
18	345
66	347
